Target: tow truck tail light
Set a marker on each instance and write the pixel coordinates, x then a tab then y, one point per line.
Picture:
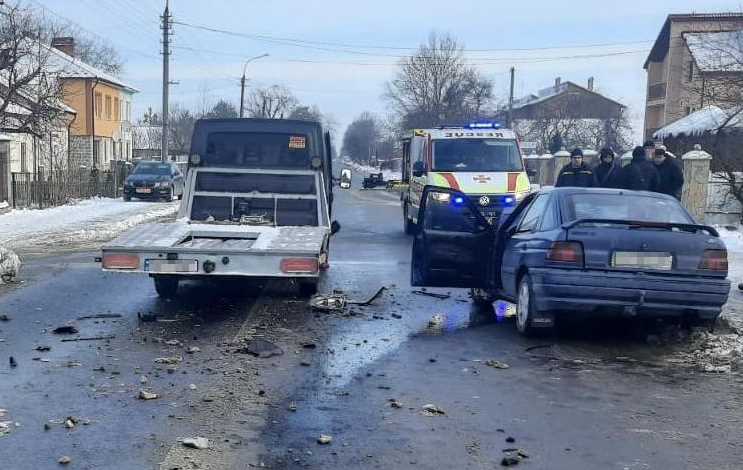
566	252
299	265
714	260
120	261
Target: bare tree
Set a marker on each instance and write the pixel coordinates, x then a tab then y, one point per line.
30	92
435	85
222	110
274	102
365	138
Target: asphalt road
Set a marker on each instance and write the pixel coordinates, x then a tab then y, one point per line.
596	395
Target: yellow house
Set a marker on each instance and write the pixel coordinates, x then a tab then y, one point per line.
101	132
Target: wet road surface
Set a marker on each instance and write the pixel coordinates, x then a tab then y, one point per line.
597	395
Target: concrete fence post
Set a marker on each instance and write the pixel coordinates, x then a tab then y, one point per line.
696	178
560	159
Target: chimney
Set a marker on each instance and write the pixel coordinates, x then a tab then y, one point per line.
590	83
65	44
558	80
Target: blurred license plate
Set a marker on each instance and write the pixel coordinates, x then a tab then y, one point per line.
643	259
171	266
144	190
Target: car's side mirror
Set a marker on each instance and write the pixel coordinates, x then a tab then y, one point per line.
419	169
335	227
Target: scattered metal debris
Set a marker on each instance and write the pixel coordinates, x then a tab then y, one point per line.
100	316
89	338
496	364
431	294
168	360
145	395
432	410
324	439
65	330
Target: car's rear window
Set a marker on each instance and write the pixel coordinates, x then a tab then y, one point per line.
624	207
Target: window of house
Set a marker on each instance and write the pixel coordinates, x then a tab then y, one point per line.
98	105
24	158
117	109
108	108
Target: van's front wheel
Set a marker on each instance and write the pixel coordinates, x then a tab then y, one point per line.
166	286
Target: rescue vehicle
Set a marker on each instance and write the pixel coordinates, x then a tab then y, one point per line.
481	160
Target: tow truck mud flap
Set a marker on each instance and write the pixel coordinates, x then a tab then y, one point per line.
171	266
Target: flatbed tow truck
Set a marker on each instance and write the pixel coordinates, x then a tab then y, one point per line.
257	204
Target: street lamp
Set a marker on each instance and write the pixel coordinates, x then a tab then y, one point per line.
242	82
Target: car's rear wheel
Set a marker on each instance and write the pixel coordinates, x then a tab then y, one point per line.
166	286
482	297
525	311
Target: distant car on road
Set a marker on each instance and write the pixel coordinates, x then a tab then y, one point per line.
566	251
374	180
345	179
154	180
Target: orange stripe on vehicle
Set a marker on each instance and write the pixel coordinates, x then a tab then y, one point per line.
451	180
512	180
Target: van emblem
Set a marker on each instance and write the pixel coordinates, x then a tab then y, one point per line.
484	201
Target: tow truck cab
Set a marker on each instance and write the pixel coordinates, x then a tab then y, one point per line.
481	160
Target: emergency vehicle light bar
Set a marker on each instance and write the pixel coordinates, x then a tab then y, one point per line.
483	125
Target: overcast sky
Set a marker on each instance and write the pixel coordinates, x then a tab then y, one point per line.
348	49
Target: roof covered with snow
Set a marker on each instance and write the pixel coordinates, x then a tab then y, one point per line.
717	52
550	92
71	67
711	118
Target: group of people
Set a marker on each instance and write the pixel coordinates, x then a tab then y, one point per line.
651	169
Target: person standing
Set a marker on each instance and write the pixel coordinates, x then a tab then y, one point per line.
649	147
670	173
640	174
607	171
576	173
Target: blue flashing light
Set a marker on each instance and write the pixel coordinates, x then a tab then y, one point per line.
458	200
483	125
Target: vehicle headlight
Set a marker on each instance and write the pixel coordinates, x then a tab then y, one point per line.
442	198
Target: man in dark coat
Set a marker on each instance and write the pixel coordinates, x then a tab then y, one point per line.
607	171
640	174
670	173
576	173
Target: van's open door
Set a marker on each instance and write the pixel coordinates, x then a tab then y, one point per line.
454	245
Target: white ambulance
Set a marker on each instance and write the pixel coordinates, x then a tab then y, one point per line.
481	160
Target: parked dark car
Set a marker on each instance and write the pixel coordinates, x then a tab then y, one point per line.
566	251
154	180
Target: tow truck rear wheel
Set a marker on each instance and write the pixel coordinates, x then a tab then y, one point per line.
166	286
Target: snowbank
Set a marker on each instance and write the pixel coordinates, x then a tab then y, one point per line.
89	220
710	118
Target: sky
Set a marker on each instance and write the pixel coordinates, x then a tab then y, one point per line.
339	54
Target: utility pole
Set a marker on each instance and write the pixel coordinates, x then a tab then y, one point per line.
242	82
510	98
166	25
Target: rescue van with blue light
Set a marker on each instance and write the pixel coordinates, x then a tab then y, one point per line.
481	160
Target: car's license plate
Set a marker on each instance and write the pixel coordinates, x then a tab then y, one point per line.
144	190
171	266
643	259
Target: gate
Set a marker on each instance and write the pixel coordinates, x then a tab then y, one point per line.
4	173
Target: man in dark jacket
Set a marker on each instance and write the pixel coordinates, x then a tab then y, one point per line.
640	174
670	173
576	173
607	171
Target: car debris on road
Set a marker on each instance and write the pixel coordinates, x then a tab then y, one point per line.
196	443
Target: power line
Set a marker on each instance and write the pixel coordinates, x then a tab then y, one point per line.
300	42
479	61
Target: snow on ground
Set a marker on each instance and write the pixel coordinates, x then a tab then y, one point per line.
387	174
90	220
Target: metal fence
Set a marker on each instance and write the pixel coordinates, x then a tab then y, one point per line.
54	188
